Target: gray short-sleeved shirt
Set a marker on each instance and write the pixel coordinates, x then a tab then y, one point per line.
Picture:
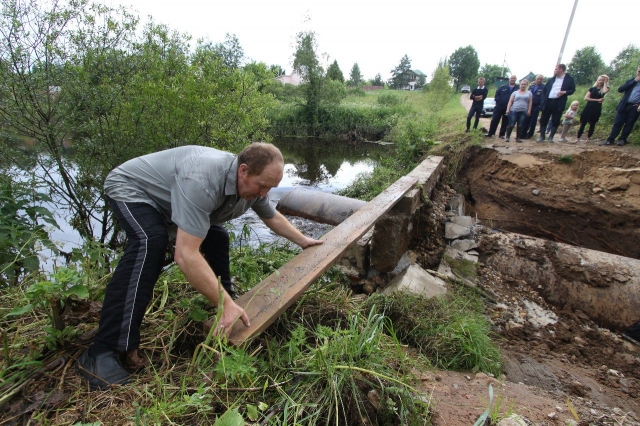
193	187
520	101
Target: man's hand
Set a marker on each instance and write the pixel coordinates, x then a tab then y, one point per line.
308	242
281	226
230	314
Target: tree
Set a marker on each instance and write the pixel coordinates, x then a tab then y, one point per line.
463	65
398	76
377	80
276	70
80	74
355	77
334	73
586	65
230	51
492	72
624	64
439	89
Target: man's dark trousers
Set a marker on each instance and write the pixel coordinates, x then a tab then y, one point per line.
477	111
499	114
553	110
131	287
625	119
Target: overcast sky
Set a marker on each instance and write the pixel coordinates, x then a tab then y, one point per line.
376	35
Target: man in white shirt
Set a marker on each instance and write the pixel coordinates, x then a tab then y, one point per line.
554	100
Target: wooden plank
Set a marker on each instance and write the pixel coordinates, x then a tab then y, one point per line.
265	302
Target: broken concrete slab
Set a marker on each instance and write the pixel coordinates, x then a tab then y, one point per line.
453	231
390	240
445	270
456	205
416	280
458	254
602	285
464	245
408	258
357	256
467	221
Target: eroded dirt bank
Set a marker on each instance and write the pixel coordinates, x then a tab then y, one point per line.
556	358
584	197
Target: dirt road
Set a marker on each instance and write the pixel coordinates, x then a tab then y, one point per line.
465	100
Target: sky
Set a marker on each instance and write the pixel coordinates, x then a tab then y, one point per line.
525	35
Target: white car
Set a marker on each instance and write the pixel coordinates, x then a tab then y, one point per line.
488	107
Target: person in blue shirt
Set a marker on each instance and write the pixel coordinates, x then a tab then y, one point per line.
627	112
503	94
530	122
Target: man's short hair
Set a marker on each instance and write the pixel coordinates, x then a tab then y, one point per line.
563	66
258	155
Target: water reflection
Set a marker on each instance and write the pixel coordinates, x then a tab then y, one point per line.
317	164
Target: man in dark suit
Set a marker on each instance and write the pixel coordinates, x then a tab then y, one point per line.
554	100
499	112
627	112
478	95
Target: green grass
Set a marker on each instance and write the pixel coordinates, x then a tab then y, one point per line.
450	331
565	159
320	363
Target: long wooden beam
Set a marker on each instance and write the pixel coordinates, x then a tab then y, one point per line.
265	302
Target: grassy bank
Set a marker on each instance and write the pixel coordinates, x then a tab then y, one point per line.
329	359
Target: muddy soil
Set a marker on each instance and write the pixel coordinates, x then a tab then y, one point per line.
570	371
570	363
580	194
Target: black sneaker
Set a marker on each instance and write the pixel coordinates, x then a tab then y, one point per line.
607	142
467	131
103	371
622	142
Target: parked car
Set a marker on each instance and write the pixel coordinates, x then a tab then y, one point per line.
465	89
488	106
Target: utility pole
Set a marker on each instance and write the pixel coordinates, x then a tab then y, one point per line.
566	34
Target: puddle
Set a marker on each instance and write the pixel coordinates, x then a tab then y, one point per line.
522	160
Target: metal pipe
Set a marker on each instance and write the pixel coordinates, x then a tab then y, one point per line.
318	206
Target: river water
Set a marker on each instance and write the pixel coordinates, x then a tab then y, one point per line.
314	164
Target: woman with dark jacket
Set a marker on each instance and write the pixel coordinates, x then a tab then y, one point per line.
591	113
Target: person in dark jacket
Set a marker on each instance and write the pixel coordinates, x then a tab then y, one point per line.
591	112
554	100
478	95
530	122
503	94
627	112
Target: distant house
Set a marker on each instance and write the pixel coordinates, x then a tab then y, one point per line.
411	80
530	77
294	78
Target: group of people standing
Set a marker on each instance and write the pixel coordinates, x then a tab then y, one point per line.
521	104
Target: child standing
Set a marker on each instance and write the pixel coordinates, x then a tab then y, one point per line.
569	117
